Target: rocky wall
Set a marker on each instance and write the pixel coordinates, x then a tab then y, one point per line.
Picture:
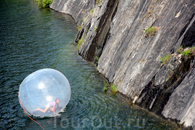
116	38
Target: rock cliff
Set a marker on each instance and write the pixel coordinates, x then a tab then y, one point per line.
126	40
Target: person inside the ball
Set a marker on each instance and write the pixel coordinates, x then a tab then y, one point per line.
50	106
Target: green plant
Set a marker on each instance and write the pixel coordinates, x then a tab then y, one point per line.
79	42
97	2
193	50
150	31
106	84
186	52
44	3
96	60
82	20
105	89
167	79
79	27
95	28
91	12
180	49
113	88
165	59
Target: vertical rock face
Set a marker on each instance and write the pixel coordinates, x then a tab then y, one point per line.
116	33
129	59
76	8
182	102
100	23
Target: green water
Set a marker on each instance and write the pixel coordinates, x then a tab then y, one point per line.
32	39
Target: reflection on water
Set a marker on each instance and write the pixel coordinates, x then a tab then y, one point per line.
33	39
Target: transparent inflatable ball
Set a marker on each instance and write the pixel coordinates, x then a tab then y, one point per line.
45	92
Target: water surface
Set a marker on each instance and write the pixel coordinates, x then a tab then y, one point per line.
32	39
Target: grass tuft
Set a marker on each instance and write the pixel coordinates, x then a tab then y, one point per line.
165	59
186	52
113	88
151	31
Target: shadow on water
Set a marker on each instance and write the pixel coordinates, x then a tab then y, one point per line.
33	39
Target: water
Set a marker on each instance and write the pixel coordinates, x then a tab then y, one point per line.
32	39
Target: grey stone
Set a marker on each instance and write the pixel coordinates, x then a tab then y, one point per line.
181	104
166	70
78	9
129	59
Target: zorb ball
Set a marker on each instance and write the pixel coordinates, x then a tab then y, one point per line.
45	92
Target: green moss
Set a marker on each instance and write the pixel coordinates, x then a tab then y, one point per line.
150	31
80	42
113	88
44	3
165	59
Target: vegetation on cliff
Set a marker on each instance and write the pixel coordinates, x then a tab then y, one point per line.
151	31
113	87
165	59
44	3
80	42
